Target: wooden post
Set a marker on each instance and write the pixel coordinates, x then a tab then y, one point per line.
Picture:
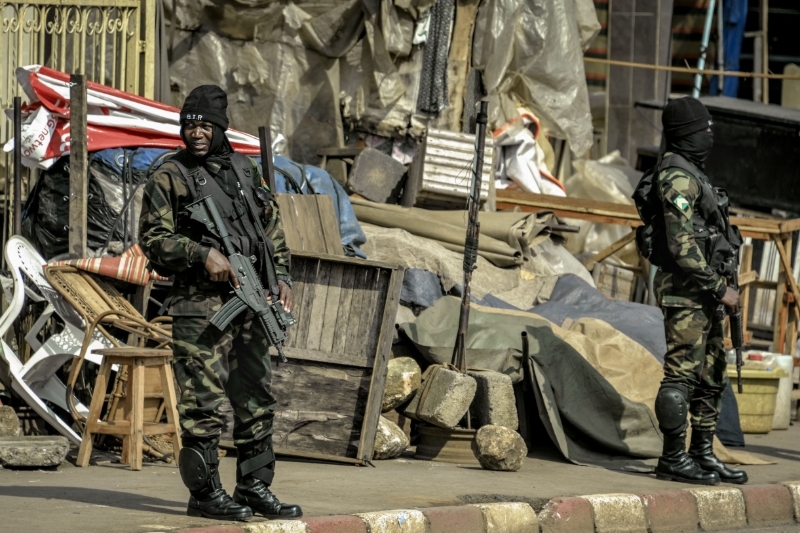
17	228
765	48
78	167
745	266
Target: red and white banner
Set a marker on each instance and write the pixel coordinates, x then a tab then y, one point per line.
115	119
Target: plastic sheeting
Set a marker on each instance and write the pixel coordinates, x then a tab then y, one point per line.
606	180
532	52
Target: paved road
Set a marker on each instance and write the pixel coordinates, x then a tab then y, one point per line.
109	498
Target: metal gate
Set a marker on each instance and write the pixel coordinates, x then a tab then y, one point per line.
110	41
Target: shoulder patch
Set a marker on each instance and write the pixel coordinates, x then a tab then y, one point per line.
681	203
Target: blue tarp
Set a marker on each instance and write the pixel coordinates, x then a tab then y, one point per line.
734	14
114	158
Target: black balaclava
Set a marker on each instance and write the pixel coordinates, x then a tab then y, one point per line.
686	122
209	103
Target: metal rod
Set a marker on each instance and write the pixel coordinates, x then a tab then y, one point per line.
17	228
721	45
765	48
471	241
701	63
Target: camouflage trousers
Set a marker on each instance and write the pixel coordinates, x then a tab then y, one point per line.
695	357
211	364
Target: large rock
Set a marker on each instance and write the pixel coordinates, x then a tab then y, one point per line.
447	398
39	452
390	441
402	381
9	423
494	403
500	448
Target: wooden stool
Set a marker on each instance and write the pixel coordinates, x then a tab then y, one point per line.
132	430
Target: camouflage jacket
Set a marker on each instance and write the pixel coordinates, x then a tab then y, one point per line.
680	194
163	212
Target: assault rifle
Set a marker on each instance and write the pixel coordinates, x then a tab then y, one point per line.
737	332
250	295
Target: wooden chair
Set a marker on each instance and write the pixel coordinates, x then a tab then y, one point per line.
134	427
105	310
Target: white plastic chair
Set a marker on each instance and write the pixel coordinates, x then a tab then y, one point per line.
36	381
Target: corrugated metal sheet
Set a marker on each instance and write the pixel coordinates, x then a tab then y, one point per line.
446	165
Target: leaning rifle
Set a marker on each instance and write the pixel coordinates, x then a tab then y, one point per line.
251	294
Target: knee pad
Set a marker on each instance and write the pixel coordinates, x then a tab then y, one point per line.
671	408
197	468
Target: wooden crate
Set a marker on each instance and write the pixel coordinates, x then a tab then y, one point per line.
329	393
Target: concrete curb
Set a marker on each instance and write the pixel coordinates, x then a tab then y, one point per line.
682	511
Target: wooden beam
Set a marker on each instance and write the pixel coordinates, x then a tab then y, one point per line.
78	167
787	269
610	250
747	278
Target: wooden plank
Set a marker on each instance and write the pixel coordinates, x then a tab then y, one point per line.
368	310
332	307
289	452
344	260
298	272
321	408
373	330
309	223
329	225
304	307
346	301
744	294
317	306
290	222
366	445
78	168
610	250
333	358
354	340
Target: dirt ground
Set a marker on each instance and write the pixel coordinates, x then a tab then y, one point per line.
109	498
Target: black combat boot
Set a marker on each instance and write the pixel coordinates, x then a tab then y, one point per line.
701	450
254	474
200	473
254	493
676	465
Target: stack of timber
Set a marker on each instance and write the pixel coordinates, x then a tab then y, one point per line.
330	392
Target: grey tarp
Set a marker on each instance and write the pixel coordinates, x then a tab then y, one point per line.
506	238
589	421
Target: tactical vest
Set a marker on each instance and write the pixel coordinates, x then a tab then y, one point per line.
716	238
200	183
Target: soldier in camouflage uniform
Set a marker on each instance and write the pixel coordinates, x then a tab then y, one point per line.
692	293
209	363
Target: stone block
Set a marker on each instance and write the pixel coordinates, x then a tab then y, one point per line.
376	176
618	513
494	402
9	423
390	440
462	518
794	492
508	518
500	448
336	524
446	400
400	521
720	508
768	505
276	526
403	378
26	452
567	515
669	512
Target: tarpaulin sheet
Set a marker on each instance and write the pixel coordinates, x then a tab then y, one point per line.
115	119
531	52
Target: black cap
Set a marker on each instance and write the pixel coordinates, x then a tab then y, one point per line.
208	103
685	116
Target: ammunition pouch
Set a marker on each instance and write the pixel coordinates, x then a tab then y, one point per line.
198	469
671	408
